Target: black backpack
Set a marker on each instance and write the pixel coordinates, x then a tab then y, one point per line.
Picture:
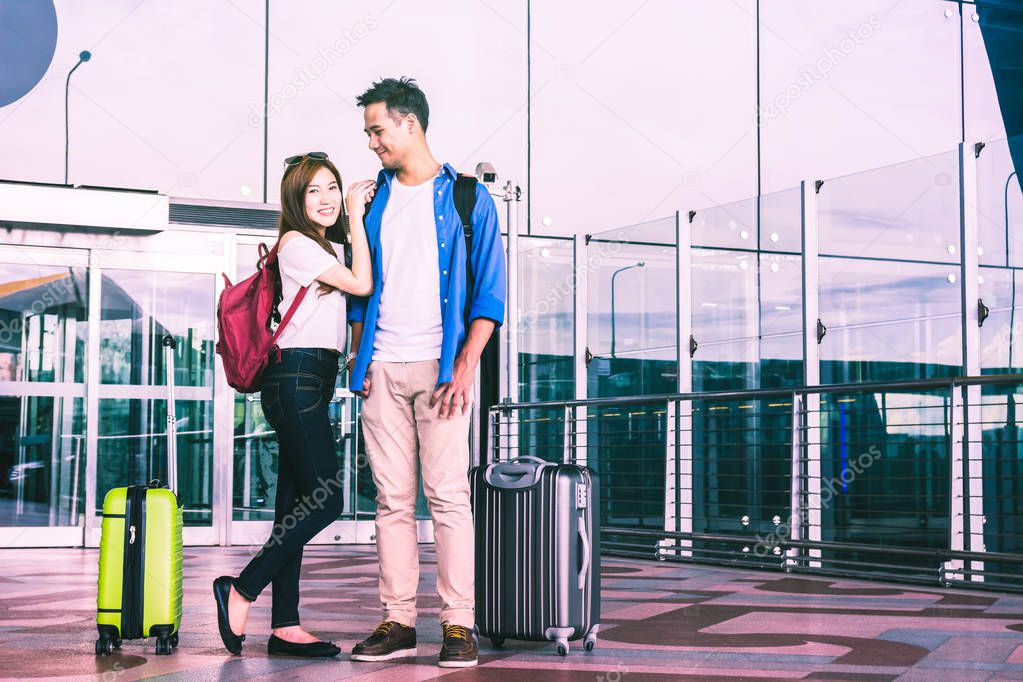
490	358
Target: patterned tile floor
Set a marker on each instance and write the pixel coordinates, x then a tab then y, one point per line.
662	621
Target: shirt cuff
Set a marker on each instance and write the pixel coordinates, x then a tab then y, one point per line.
489	307
356	313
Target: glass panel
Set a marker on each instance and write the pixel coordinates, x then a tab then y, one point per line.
742	472
255	461
43	323
731	226
781	320
982	116
546	327
999	206
133	450
139	308
247	256
885	472
626	447
631	314
889	321
546	351
1001	335
732	337
781	221
541	433
906	211
1003	472
42	461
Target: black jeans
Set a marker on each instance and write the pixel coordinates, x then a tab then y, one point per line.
295	394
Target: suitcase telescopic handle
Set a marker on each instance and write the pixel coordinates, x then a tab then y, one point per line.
169	346
587	550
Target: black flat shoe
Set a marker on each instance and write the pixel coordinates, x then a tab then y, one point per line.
221	592
281	647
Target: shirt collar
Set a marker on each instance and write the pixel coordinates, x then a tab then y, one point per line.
386	175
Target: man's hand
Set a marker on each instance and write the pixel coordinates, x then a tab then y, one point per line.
364	393
458	392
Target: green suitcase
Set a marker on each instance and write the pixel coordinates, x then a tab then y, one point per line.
139	591
139	568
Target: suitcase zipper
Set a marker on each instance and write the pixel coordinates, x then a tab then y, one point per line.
134	563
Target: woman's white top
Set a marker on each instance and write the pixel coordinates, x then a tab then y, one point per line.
319	321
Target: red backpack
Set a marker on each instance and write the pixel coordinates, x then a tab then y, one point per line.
244	315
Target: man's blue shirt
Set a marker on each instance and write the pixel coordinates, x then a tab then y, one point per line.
487	262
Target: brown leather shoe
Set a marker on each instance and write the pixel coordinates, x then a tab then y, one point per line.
390	640
459	649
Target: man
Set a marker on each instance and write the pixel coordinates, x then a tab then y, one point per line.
415	361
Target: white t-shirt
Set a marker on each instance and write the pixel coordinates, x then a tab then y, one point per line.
409	325
319	322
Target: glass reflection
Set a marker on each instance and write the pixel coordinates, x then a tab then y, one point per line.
139	308
133	450
885	471
747	319
631	318
888	321
43	323
42	461
909	210
999	205
1001	290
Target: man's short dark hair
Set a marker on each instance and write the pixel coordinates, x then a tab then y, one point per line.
401	95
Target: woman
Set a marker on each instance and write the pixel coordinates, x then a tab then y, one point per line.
297	388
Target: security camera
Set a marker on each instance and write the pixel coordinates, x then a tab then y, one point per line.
486	173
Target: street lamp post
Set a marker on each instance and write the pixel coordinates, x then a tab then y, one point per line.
613	275
84	56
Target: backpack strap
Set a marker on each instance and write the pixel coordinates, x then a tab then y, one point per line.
465	204
291	312
299	297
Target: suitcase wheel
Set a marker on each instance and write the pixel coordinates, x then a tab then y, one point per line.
163	646
104	646
590	643
497	641
562	648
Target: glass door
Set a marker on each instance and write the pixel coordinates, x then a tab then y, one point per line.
44	296
142	297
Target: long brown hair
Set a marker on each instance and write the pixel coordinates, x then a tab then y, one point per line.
293	216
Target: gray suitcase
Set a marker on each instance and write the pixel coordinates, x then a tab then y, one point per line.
537	552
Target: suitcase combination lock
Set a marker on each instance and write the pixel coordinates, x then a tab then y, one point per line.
131	537
581	496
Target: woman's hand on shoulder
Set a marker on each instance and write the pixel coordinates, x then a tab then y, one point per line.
359	194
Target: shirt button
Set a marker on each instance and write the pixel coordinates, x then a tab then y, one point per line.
438	192
445	272
445	300
440	217
442	245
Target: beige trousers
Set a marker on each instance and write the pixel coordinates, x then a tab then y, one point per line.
403	435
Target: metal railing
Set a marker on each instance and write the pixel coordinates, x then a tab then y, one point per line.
917	481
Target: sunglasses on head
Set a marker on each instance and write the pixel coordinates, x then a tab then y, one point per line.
292	160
